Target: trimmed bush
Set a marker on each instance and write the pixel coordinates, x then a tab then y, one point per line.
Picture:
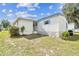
65	34
14	31
22	29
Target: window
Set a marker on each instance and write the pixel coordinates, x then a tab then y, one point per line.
46	22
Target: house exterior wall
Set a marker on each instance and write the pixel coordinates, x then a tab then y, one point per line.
27	24
57	25
71	26
63	24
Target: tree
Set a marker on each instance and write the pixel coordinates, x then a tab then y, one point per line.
68	10
71	11
14	31
5	23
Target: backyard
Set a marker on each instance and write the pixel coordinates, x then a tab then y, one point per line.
37	45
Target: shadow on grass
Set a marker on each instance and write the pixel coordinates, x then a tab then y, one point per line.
72	38
34	36
31	36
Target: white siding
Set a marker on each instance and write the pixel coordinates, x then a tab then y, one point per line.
71	26
56	26
63	25
27	24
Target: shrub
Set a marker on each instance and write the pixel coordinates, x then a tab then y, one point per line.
70	32
14	31
65	34
6	29
22	29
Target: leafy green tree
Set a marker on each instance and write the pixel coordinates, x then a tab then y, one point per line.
68	10
14	31
5	23
71	11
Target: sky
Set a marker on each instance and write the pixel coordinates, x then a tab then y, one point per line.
12	11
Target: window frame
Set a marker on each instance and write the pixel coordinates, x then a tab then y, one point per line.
46	22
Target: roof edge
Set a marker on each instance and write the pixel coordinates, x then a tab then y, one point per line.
50	16
22	19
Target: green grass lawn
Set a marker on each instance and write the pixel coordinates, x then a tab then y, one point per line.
38	45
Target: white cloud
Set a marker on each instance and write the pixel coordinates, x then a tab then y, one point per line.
10	11
48	14
60	8
31	9
18	14
23	5
3	4
4	10
29	6
55	12
25	15
36	5
51	6
9	14
42	14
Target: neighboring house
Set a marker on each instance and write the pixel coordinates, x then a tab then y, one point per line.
52	25
26	23
71	26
